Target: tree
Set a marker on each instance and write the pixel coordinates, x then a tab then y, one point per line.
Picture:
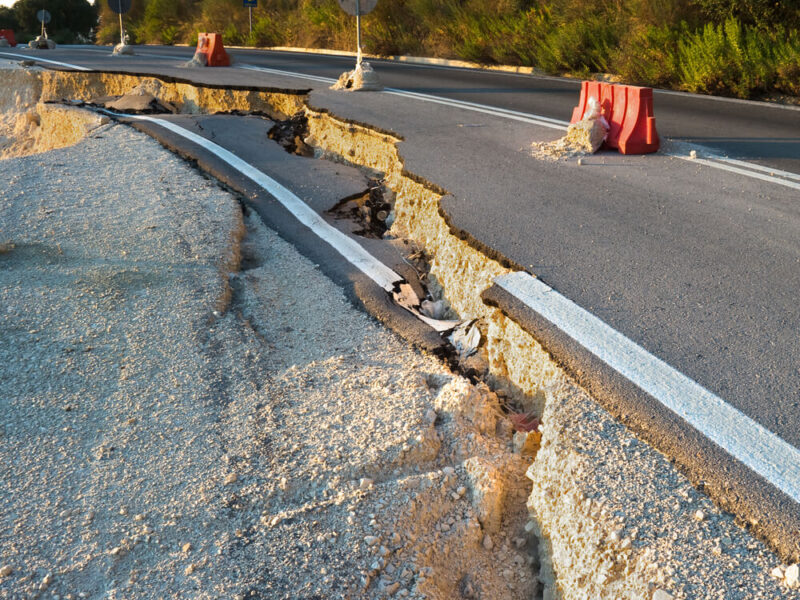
8	20
69	17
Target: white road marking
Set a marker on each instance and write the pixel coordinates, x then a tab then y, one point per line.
482	108
327	80
727	164
44	60
347	247
740	436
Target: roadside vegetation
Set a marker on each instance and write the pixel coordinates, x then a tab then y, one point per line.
742	48
73	21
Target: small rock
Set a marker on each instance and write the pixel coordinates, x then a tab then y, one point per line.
365	483
792	575
661	595
580	162
693	154
371	540
186	547
189	570
699	515
487	542
48	579
392	588
6	570
449	471
777	573
383	551
231	478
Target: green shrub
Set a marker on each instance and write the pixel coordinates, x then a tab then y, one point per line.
580	47
649	56
265	33
739	60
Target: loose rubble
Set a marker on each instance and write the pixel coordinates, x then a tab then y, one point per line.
582	138
362	78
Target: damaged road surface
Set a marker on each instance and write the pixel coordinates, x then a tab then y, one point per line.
600	519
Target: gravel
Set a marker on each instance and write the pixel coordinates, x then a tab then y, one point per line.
175	426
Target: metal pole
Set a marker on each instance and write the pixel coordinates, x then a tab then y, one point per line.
358	27
121	30
251	21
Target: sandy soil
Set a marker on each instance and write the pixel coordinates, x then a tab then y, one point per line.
175	425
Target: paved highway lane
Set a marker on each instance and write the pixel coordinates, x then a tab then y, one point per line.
698	265
765	133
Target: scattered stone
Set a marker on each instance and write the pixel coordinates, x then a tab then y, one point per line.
371	540
792	575
699	515
231	478
361	78
186	547
487	542
365	483
777	573
6	570
48	579
391	589
660	594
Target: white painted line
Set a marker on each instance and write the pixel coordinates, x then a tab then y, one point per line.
740	436
347	247
325	80
757	167
44	60
747	172
482	108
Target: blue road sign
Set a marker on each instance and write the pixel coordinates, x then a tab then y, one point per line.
250	3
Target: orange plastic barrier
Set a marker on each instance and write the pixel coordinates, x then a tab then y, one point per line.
210	45
629	112
638	134
9	35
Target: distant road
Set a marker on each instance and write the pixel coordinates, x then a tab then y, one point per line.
767	134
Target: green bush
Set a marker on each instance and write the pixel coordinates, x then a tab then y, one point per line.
649	56
744	49
739	60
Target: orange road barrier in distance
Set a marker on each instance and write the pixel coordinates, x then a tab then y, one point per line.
9	35
210	45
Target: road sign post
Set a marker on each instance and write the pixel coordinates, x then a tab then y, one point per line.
358	8
121	7
250	5
44	17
